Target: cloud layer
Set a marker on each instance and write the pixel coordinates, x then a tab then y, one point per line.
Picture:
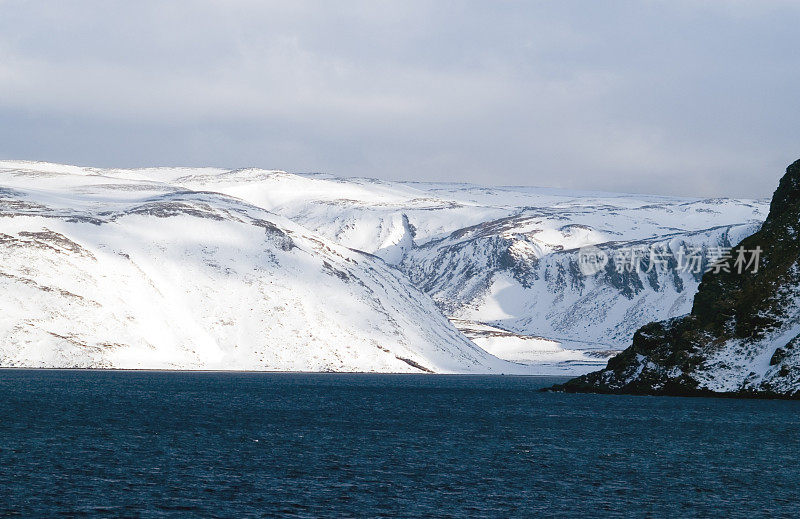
675	97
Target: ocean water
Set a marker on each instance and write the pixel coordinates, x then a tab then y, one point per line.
151	444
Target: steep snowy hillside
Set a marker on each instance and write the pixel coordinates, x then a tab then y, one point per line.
506	258
743	333
510	279
101	271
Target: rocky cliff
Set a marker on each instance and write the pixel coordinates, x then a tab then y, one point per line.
742	336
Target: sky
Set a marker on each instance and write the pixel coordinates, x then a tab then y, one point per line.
677	97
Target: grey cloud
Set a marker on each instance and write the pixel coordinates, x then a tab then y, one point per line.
678	97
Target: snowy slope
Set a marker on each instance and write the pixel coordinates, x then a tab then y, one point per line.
388	218
502	257
513	281
102	271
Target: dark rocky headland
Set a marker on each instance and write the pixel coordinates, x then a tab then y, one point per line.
742	337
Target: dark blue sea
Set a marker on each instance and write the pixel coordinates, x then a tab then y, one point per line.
151	444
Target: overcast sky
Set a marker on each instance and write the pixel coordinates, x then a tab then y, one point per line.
686	97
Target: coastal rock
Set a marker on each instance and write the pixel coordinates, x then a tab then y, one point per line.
742	335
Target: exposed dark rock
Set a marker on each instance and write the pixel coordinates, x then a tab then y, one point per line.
414	364
732	311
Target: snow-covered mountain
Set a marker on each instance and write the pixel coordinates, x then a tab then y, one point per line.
506	257
107	271
502	263
511	280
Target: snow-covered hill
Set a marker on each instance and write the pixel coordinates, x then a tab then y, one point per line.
102	271
503	258
506	256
